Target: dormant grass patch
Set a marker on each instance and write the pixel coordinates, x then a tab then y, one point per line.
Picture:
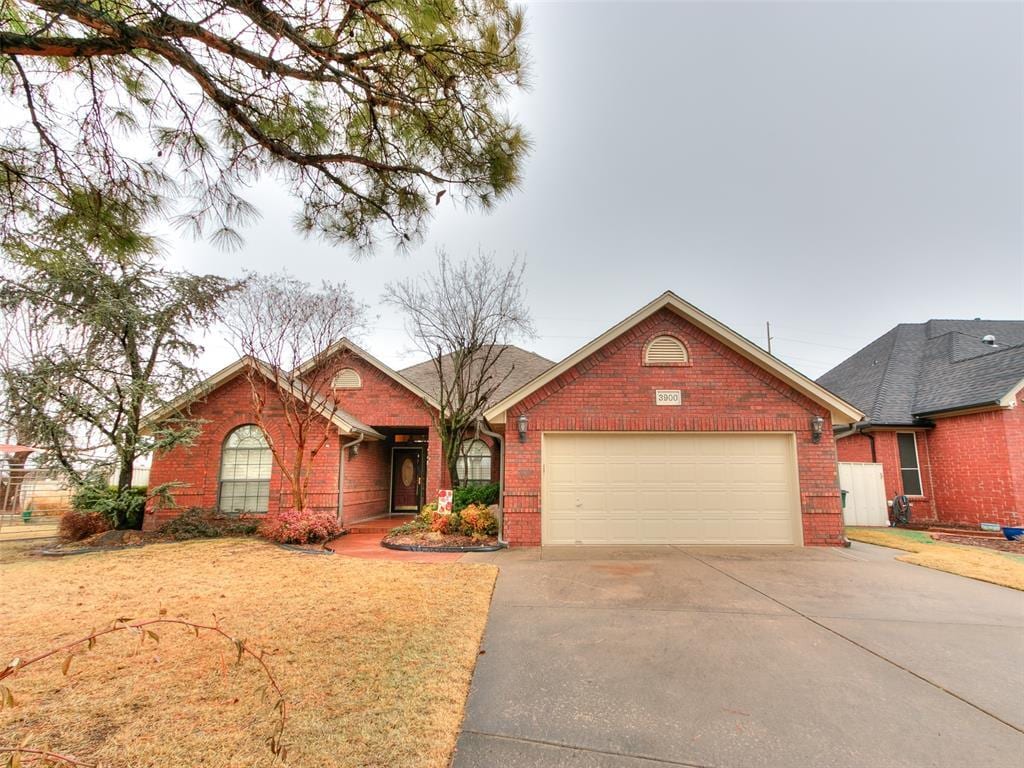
972	562
374	657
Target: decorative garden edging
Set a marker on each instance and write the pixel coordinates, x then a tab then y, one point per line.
85	550
306	550
428	548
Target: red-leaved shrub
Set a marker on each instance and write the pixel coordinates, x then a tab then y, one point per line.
75	526
444	524
298	527
478	520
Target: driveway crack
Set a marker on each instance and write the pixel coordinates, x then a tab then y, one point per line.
575	748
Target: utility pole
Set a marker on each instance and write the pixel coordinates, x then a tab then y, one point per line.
768	329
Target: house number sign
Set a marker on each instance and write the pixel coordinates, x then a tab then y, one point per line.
668	397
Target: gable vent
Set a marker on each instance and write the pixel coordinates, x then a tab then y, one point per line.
665	350
346	378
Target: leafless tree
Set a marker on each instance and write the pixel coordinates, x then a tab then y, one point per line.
289	330
462	316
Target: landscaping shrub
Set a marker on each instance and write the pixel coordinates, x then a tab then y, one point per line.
196	523
446	523
296	527
484	495
121	509
478	520
75	526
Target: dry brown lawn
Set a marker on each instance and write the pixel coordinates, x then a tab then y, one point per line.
375	658
974	562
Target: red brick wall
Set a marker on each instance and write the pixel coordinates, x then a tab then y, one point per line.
367	482
380	402
196	468
383	402
722	391
978	461
972	467
887	453
854	448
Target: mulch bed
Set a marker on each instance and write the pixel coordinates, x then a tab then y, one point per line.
431	541
1002	544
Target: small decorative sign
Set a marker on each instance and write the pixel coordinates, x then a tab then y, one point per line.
668	397
444	502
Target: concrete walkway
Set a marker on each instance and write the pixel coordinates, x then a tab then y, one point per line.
363	540
667	656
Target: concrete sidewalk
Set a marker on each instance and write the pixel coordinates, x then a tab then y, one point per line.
742	657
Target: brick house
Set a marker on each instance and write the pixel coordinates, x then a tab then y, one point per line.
667	428
941	416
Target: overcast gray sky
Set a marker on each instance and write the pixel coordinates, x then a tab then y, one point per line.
833	168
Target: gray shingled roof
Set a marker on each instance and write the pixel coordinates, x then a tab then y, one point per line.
917	369
520	365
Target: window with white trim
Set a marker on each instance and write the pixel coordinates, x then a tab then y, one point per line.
474	465
665	350
346	378
910	469
245	463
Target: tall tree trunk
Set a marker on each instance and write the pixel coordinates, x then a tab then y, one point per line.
11	492
125	470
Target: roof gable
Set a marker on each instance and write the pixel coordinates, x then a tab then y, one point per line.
344	421
350	346
842	412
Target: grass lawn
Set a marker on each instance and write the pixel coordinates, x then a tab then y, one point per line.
375	657
1001	568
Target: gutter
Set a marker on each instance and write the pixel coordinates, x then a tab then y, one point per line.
860	428
341	473
480	425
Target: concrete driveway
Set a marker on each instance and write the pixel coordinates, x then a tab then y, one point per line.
662	656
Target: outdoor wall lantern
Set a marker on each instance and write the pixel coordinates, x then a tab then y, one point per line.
817	427
522	422
353	451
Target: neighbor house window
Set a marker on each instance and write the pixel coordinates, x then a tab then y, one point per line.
346	378
475	463
245	471
665	350
910	470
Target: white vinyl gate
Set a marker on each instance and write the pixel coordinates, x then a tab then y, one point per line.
865	497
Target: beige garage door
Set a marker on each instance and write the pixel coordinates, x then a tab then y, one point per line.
676	488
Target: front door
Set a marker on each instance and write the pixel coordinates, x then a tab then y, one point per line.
406	479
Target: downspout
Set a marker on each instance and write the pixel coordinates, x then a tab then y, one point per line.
501	480
858	429
341	475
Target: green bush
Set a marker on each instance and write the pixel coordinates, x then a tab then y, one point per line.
483	495
196	523
121	509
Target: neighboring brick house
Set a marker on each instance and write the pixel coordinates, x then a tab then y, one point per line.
941	415
668	428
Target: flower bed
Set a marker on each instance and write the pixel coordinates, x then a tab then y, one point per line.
473	528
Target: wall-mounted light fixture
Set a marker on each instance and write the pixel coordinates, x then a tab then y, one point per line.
523	422
817	427
353	451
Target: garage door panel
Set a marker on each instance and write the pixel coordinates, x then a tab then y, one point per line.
687	488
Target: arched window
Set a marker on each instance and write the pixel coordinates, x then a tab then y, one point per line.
245	463
665	350
474	462
346	378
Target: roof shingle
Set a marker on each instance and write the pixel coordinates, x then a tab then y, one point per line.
917	369
515	365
